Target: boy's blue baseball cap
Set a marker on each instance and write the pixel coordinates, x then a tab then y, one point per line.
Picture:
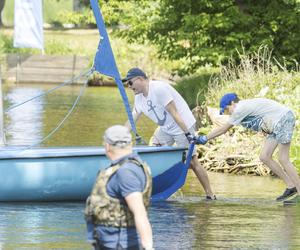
226	100
134	72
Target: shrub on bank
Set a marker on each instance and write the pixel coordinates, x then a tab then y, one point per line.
260	75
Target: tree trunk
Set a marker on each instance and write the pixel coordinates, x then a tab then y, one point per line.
2	2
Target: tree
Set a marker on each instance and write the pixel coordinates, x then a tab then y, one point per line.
201	32
2	3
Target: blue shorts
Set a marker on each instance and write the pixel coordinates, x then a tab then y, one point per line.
283	131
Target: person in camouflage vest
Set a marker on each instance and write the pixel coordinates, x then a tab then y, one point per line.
115	211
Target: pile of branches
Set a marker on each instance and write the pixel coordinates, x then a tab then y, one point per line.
236	152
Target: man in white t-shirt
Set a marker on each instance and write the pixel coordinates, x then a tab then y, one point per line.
277	122
163	104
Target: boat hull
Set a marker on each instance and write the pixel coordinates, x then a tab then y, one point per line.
65	174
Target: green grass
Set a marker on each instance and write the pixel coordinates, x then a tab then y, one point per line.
193	88
51	10
259	75
84	42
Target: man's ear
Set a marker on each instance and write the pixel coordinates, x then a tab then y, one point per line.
107	147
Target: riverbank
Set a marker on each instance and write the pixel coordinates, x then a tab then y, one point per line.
84	42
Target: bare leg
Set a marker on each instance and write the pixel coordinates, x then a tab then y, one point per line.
266	157
201	175
284	159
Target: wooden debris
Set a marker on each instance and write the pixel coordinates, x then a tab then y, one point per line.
235	152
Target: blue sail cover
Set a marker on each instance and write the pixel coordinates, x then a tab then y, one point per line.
105	63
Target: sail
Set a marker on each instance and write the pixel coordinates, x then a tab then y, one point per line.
105	63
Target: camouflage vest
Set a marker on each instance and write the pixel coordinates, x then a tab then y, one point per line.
105	210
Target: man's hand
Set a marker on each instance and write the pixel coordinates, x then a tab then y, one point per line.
202	139
190	137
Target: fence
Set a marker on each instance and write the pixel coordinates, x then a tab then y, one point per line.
43	68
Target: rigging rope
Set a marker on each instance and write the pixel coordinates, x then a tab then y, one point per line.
84	73
64	119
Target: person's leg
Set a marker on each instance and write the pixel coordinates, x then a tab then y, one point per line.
202	176
266	157
284	159
198	169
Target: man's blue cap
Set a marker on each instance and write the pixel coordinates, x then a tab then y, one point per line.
226	100
134	72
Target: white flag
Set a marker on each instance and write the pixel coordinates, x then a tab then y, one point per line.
28	30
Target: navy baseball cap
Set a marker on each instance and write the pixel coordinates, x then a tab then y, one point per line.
134	72
226	100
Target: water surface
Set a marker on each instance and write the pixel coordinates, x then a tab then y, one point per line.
245	216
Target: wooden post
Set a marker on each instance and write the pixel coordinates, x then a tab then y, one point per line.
18	68
73	67
2	138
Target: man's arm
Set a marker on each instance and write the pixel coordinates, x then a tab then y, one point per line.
219	131
136	205
135	116
171	108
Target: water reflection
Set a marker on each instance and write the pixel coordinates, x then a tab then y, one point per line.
171	227
184	222
25	122
42	226
97	109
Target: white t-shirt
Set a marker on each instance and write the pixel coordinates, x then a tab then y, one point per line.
154	106
258	114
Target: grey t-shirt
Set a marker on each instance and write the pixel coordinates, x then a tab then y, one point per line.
128	179
259	114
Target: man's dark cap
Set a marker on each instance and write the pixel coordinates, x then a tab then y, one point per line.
134	72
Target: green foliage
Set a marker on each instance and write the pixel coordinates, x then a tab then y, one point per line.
51	9
80	19
52	47
260	75
210	31
6	46
194	88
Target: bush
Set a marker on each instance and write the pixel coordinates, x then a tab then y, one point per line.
194	88
260	75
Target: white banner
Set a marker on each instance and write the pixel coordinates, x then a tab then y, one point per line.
28	30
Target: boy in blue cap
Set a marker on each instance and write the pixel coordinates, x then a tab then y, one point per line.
277	122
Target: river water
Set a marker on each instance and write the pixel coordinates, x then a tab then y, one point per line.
245	216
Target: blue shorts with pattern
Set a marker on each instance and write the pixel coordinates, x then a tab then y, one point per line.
283	130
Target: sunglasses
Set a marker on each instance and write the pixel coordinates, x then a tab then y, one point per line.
130	82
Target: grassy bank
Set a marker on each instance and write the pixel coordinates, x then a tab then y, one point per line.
260	75
85	42
51	10
255	75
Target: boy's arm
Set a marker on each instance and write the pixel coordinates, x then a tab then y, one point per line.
219	131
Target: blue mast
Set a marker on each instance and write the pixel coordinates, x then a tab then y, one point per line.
105	63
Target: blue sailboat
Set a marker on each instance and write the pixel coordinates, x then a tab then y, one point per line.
68	173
